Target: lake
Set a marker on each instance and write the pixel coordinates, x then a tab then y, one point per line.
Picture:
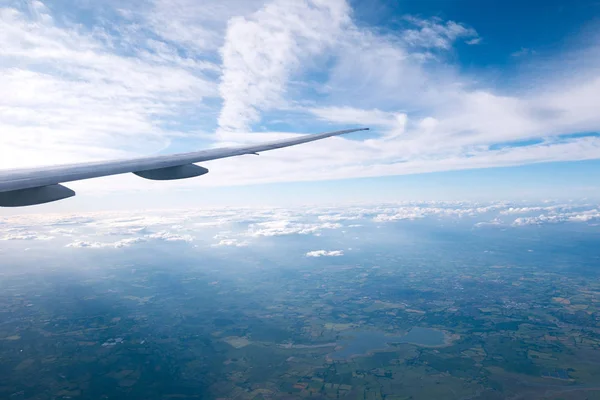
356	343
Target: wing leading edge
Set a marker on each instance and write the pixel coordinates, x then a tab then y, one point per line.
25	187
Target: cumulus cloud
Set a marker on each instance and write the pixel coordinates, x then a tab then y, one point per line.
523	210
231	242
283	227
325	253
494	222
82	244
24	235
412	212
339	217
559	217
170	237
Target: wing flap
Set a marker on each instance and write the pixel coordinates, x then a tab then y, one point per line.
171	173
33	196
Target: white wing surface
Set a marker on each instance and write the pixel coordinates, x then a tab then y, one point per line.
24	187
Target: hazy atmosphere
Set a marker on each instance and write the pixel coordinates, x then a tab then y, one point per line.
451	251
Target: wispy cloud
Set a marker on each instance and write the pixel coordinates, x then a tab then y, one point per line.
231	242
71	93
25	235
262	50
474	41
171	237
198	28
436	33
82	244
524	51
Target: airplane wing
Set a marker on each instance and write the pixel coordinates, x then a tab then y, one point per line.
24	187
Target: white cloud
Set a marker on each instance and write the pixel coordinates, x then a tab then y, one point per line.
170	237
559	217
325	253
593	215
196	26
134	223
495	222
349	115
66	93
81	244
283	227
435	33
523	210
231	242
100	245
262	50
410	214
25	235
128	242
339	217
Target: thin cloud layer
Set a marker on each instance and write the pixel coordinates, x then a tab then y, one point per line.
247	227
82	244
437	33
231	242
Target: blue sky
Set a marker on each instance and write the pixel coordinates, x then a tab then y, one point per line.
472	100
505	26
